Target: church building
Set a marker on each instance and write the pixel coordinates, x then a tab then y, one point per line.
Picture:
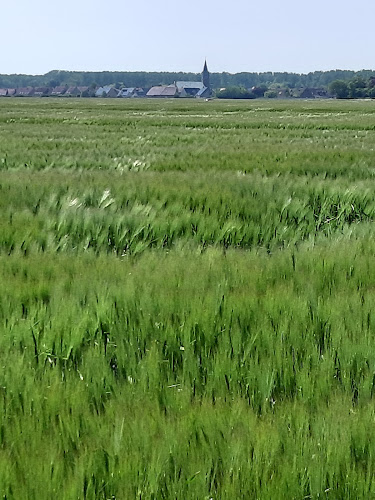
200	89
196	89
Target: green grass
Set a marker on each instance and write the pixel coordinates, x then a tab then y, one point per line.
186	306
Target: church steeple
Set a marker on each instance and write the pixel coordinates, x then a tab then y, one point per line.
206	76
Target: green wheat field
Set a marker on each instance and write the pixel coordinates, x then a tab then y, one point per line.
187	299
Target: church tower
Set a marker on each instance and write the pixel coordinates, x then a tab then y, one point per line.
206	76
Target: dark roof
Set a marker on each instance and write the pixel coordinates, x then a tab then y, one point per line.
59	90
24	91
311	92
41	90
203	92
72	88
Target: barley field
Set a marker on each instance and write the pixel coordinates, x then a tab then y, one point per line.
187	299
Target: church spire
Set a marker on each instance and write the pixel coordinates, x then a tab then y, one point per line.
205	75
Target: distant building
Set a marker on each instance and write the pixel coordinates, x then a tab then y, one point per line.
112	92
311	93
106	91
41	91
196	89
84	91
163	91
189	88
58	91
72	92
184	88
282	93
3	92
141	92
204	92
131	92
100	92
127	92
24	92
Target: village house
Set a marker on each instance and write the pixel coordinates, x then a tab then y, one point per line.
282	93
100	92
24	92
58	91
311	93
107	91
112	92
131	92
84	91
72	91
41	91
127	92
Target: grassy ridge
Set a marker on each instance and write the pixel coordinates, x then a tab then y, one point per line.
130	213
186	316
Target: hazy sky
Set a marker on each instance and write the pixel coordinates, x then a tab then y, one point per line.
153	35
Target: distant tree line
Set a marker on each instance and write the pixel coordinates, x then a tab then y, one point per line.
235	93
356	88
149	79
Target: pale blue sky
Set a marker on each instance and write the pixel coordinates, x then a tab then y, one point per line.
291	35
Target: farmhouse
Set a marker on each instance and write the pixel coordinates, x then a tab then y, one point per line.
163	91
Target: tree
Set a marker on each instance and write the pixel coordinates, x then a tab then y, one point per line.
340	89
235	93
357	87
